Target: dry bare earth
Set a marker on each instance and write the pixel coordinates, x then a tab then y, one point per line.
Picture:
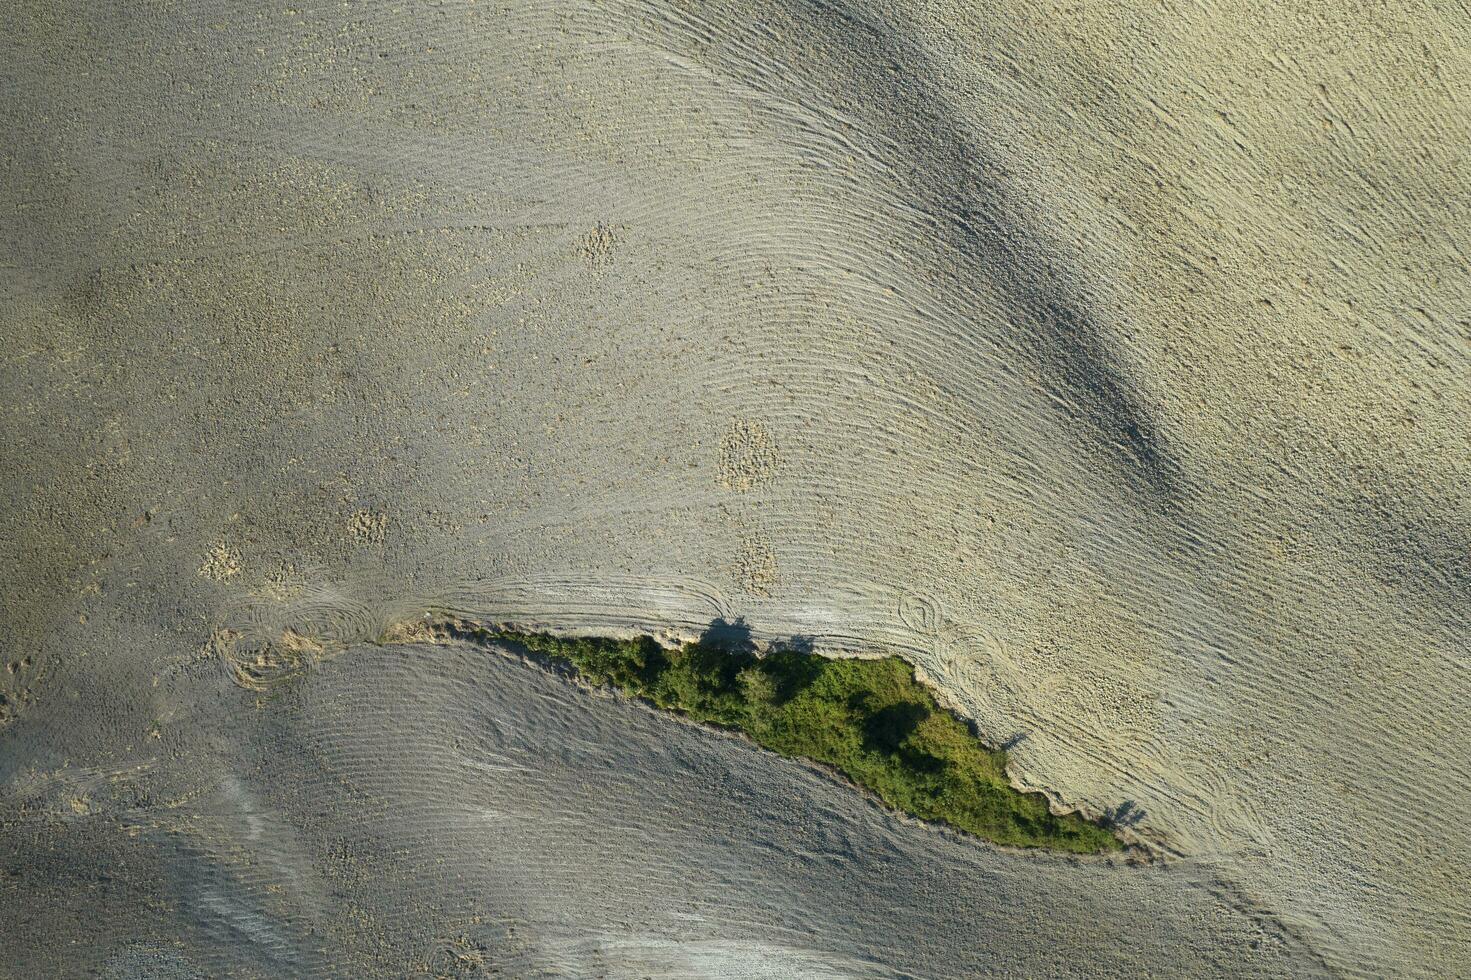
415	811
1110	363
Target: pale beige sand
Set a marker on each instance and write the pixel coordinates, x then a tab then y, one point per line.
1109	361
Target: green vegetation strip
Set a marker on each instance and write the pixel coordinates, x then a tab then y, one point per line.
869	719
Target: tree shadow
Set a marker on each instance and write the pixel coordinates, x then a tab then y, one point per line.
794	664
729	636
1126	814
727	645
889	729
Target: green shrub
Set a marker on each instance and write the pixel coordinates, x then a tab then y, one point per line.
869	719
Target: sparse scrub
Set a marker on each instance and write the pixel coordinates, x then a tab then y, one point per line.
869	719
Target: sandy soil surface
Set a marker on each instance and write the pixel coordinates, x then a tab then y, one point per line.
1109	362
429	811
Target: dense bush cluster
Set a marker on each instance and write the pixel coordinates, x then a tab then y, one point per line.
869	719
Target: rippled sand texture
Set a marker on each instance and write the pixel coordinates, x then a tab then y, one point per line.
1111	363
423	811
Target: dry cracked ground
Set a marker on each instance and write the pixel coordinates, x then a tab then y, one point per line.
1107	361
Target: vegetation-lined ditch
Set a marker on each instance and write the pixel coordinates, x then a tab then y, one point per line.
869	719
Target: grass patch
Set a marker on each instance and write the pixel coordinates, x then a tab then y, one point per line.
869	719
